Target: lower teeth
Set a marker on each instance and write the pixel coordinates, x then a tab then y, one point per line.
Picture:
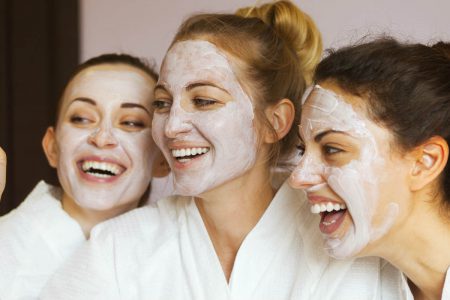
99	175
329	223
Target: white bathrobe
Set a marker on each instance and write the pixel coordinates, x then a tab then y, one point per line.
164	252
445	291
35	239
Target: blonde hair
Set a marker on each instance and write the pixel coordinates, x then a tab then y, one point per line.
275	48
295	27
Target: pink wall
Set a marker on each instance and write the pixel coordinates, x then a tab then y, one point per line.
145	27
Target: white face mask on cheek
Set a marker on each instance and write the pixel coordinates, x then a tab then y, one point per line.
128	154
227	133
357	183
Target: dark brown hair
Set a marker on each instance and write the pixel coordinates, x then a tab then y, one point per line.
275	48
407	87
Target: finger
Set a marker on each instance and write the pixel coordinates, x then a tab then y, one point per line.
2	171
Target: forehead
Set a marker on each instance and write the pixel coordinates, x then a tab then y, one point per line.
115	76
109	80
326	110
195	60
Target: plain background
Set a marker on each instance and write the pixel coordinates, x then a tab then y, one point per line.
42	41
146	27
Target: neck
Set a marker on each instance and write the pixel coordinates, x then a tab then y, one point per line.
419	248
88	218
232	210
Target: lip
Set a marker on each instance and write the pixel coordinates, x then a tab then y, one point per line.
338	217
315	199
330	229
184	145
94	179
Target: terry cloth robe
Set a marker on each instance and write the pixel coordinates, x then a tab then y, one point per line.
407	294
35	239
164	252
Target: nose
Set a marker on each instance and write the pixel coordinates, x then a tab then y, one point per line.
308	173
102	137
177	123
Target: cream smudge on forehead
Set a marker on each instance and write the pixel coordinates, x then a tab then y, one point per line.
357	183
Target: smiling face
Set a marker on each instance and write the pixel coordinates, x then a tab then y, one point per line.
350	173
203	119
102	146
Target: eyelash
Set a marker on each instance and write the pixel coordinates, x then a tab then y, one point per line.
201	102
160	104
329	150
78	120
133	123
301	149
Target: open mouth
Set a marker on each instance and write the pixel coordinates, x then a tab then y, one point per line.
101	169
332	215
187	154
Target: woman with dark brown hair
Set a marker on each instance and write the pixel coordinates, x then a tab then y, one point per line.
375	133
103	152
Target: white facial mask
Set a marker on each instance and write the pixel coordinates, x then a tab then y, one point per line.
357	182
104	142
228	132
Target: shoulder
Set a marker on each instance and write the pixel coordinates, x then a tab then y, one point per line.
36	207
35	239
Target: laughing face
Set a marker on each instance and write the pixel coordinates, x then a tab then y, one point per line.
351	175
102	146
203	119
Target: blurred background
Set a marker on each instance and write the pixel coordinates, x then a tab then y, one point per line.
41	41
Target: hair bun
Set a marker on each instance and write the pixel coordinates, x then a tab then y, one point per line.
295	27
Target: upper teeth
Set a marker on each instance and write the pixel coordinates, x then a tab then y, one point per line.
104	166
322	207
188	151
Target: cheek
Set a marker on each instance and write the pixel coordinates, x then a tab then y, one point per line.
69	139
139	145
234	122
158	129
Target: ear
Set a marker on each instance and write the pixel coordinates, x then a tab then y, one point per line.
430	159
280	116
50	147
160	166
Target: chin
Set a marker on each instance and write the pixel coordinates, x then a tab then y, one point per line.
97	206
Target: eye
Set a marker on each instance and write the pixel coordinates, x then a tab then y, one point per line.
301	149
203	102
79	120
161	105
133	123
330	150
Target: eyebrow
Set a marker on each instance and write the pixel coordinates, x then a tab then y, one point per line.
160	86
123	105
204	83
134	105
84	99
321	135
